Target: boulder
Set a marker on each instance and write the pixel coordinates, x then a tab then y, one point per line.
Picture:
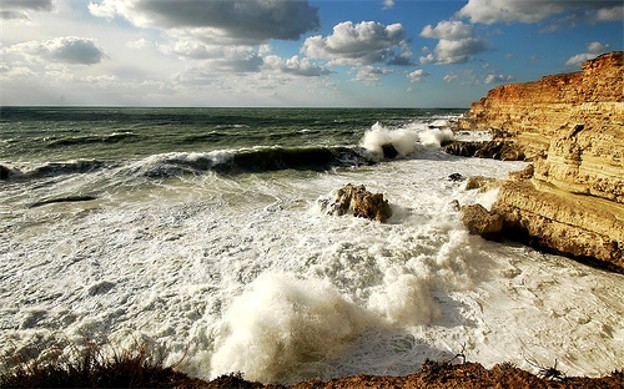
482	183
480	221
359	202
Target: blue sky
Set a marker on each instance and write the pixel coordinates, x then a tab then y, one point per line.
376	53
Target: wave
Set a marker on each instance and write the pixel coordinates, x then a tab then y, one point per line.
247	160
89	139
404	141
378	144
52	169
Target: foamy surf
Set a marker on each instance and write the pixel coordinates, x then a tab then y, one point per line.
244	272
406	140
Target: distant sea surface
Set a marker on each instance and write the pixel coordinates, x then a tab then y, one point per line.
203	231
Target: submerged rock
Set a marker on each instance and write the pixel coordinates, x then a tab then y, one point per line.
359	202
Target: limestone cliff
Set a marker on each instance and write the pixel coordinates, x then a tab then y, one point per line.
572	127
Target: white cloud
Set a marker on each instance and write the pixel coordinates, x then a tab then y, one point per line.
615	14
417	75
456	44
369	75
387	4
365	43
448	29
494	78
296	66
450	77
138	44
249	21
69	49
507	11
597	47
593	50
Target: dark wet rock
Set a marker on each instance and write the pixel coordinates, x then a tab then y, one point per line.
5	172
493	149
389	151
359	202
69	199
456	177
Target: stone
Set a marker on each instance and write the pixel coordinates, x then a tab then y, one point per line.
481	183
455	177
389	151
480	221
359	202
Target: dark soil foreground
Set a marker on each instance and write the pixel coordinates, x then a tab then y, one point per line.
431	375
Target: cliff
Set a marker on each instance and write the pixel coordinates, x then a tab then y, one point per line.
572	127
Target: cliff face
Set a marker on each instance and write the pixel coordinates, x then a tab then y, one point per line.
572	127
531	114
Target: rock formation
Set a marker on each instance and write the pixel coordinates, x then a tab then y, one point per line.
359	202
572	127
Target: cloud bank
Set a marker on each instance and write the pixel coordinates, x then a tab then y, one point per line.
68	50
243	21
533	11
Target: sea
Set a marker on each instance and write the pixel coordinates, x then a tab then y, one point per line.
205	233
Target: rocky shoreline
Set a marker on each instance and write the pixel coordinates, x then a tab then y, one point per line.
571	126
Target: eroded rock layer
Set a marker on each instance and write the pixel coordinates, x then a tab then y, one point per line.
572	127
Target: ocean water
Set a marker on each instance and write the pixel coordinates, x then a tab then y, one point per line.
202	232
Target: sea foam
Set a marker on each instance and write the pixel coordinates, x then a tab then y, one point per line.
282	322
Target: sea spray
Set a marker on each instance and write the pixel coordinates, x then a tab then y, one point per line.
406	140
281	323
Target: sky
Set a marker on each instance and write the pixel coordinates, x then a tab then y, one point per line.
308	53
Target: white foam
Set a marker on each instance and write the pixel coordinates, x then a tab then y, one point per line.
281	323
243	273
404	140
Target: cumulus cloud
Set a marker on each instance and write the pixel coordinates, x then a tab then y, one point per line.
295	65
456	42
369	75
18	9
495	11
249	21
69	49
417	75
593	50
365	43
